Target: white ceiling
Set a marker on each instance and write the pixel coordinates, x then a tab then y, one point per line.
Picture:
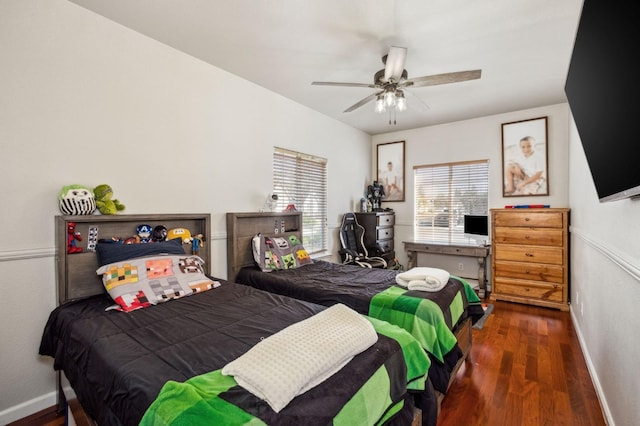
522	46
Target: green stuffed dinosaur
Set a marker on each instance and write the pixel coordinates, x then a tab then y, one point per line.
105	204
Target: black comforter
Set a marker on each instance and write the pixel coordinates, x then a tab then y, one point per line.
329	283
118	362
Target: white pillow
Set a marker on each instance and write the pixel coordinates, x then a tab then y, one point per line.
302	355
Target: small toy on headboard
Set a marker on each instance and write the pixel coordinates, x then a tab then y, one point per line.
104	200
72	236
76	200
196	243
143	233
92	239
182	233
159	233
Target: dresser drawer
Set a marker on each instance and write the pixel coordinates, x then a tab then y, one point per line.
530	254
384	246
528	289
529	218
534	236
386	220
384	233
530	271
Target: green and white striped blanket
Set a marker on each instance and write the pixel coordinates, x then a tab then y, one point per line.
430	323
200	400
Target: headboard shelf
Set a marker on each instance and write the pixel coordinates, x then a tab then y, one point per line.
76	272
242	227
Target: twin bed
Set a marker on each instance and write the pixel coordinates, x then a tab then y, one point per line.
441	321
164	361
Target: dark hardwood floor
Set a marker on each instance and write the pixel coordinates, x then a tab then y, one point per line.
47	417
525	368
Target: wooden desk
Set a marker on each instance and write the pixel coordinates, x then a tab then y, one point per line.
480	252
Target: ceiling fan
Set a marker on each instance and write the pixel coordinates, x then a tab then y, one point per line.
392	82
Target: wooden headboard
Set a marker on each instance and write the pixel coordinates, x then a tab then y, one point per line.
242	227
76	272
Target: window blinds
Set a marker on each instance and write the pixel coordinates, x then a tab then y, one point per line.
444	193
301	179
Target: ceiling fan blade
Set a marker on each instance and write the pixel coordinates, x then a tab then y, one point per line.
329	83
394	64
446	78
363	102
420	101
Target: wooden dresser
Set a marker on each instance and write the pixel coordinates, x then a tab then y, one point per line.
378	233
530	256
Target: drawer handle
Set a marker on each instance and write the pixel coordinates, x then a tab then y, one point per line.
526	219
529	254
526	237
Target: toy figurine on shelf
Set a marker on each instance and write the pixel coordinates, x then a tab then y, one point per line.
196	243
72	237
143	233
182	233
375	194
159	233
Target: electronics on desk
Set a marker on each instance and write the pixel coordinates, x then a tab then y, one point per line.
476	227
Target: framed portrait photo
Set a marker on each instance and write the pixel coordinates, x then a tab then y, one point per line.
525	163
391	170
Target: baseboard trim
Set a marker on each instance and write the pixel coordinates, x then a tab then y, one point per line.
27	408
606	412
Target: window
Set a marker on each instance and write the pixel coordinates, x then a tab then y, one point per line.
444	193
301	179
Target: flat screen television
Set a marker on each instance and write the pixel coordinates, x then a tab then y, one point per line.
476	227
603	88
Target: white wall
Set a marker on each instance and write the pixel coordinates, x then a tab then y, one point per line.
476	139
87	101
605	268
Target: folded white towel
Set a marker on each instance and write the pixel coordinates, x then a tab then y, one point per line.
302	355
423	278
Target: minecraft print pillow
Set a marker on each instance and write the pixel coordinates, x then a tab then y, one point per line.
145	281
285	252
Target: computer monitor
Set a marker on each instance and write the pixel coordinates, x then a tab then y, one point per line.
476	227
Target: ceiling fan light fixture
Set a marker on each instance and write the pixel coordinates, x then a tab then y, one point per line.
389	98
380	107
401	101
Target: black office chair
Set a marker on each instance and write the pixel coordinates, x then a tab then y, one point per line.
353	251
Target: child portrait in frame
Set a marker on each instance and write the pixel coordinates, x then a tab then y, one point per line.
391	170
524	158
